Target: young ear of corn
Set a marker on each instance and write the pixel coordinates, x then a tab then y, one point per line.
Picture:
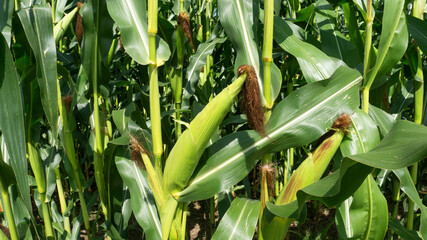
187	151
310	171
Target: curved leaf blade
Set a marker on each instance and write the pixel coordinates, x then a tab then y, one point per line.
392	152
297	120
239	221
6	12
198	60
407	186
142	199
364	214
394	39
38	27
418	30
334	43
314	64
12	120
240	19
131	16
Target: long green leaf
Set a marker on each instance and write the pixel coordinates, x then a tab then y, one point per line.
418	30
12	120
6	11
38	27
239	221
314	64
131	16
394	39
142	200
240	19
301	118
401	231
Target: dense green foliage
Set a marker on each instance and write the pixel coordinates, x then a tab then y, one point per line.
117	117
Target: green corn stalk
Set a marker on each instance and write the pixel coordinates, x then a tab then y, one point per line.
156	126
367	59
186	153
418	11
68	140
307	173
62	201
267	59
37	167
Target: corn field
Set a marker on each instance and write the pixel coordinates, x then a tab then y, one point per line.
213	119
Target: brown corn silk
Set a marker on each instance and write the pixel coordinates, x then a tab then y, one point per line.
269	172
79	26
67	100
136	149
250	100
184	23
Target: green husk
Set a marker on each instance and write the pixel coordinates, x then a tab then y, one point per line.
310	171
187	151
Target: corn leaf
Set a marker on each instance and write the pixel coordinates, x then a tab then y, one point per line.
6	11
314	64
198	60
334	43
394	40
401	231
407	186
37	24
142	199
418	30
240	20
299	119
131	16
12	120
364	214
239	221
391	152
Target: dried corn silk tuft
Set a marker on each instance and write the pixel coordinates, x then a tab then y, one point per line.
250	100
184	22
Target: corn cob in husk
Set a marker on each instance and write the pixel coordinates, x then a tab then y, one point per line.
310	171
187	151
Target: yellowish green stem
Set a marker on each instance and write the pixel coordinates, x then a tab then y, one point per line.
418	10
156	127
366	62
62	201
9	213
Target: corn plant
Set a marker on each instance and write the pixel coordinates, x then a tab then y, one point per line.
213	119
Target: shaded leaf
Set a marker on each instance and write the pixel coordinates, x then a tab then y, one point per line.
12	120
